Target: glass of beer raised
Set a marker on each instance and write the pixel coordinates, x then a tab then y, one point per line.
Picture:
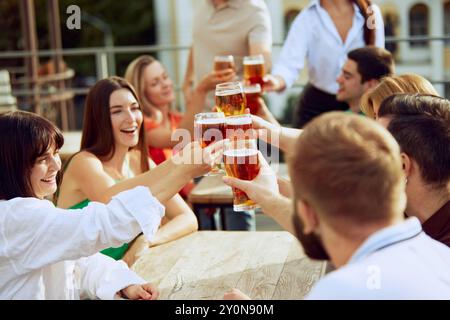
254	69
223	62
252	93
230	98
208	128
241	161
239	127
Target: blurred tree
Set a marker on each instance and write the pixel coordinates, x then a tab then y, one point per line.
131	24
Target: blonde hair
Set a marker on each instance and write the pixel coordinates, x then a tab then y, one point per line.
134	75
388	86
348	168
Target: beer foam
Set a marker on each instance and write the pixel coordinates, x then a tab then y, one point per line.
238	120
228	92
223	58
210	121
253	89
253	62
240	152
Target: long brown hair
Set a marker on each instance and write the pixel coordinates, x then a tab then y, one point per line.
133	75
368	14
97	136
24	137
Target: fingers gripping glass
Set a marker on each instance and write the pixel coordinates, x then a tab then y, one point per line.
242	161
254	70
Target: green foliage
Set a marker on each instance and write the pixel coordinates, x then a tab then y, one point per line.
130	23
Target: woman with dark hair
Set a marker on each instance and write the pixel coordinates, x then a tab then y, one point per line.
113	153
322	34
45	252
38	240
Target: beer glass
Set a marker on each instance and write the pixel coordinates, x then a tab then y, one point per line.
208	128
242	162
239	127
252	93
254	69
230	98
223	62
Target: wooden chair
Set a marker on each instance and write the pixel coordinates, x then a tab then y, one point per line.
52	94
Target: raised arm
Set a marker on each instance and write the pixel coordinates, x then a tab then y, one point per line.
37	234
164	137
164	181
292	57
260	36
189	77
279	136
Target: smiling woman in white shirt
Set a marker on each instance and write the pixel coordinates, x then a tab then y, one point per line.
51	253
322	34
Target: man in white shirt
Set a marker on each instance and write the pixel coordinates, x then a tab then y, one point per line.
349	199
227	27
322	34
362	71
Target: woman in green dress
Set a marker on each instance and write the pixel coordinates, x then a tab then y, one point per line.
113	155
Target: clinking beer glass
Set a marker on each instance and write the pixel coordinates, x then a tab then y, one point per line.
223	62
254	69
230	98
209	127
241	161
239	127
252	94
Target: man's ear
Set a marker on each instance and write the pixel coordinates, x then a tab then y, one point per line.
308	217
406	164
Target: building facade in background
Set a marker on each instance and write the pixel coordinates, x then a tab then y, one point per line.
402	18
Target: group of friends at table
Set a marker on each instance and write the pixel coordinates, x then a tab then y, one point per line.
369	185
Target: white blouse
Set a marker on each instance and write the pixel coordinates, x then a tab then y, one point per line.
52	253
314	37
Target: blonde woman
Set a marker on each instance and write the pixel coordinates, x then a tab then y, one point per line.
407	83
156	92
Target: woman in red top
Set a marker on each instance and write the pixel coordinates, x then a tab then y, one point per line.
156	93
155	90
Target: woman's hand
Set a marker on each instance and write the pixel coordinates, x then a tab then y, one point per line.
144	291
235	294
197	161
209	81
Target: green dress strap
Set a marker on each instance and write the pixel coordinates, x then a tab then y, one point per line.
115	253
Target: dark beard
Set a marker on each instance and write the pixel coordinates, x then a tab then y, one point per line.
312	245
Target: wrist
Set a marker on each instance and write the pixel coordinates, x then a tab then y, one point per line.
280	85
201	90
187	84
181	169
271	201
